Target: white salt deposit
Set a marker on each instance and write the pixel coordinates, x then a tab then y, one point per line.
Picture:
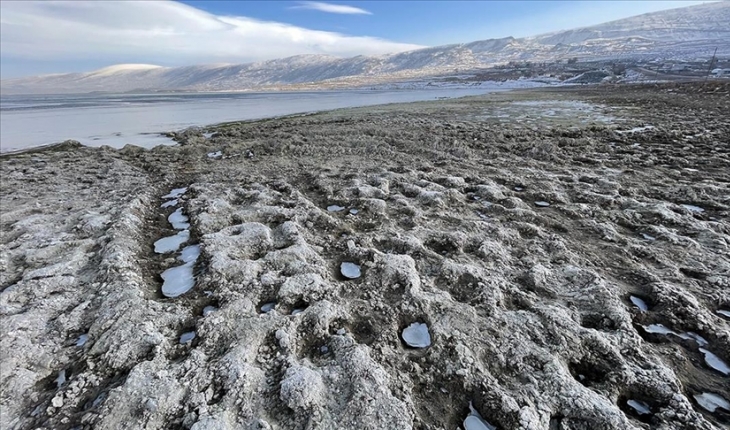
639	303
350	270
712	401
175	193
171	243
61	378
416	335
190	254
217	154
178	220
187	337
542	204
723	312
268	307
178	280
81	341
334	208
640	407
169	203
209	310
715	362
474	421
694	208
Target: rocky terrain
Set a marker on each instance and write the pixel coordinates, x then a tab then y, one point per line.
558	258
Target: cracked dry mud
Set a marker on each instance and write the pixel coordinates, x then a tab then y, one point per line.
528	306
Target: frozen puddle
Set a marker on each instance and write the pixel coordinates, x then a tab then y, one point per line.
169	203
639	303
542	204
81	341
690	335
715	362
350	270
474	421
175	193
640	407
658	329
416	335
723	312
61	378
187	337
297	311
190	254
171	243
648	237
335	208
693	208
354	211
268	307
178	280
712	401
178	220
209	310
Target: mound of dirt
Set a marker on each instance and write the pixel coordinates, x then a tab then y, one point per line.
564	269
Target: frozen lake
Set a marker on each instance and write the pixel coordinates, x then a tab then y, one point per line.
138	119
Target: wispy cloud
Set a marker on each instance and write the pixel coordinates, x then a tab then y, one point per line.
166	33
332	8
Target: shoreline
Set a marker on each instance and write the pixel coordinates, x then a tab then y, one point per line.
529	258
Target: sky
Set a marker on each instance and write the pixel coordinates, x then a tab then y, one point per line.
44	37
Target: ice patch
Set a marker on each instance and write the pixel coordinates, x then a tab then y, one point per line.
712	401
175	193
693	208
658	329
268	307
190	254
61	378
715	362
217	154
178	220
723	312
640	407
209	310
297	311
169	203
354	211
178	280
335	208
542	204
81	341
350	270
474	421
187	337
171	243
639	303
416	335
647	237
701	341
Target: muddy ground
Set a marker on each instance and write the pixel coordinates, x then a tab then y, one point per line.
528	304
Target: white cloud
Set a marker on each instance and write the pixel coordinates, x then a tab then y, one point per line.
161	32
332	8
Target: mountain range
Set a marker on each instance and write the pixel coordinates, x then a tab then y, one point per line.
689	33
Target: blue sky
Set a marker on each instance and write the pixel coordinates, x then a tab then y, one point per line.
44	37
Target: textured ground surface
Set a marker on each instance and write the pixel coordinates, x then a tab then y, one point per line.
528	307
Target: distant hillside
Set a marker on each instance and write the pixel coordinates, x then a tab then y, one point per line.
685	33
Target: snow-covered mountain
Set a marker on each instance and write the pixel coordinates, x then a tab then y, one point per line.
684	33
